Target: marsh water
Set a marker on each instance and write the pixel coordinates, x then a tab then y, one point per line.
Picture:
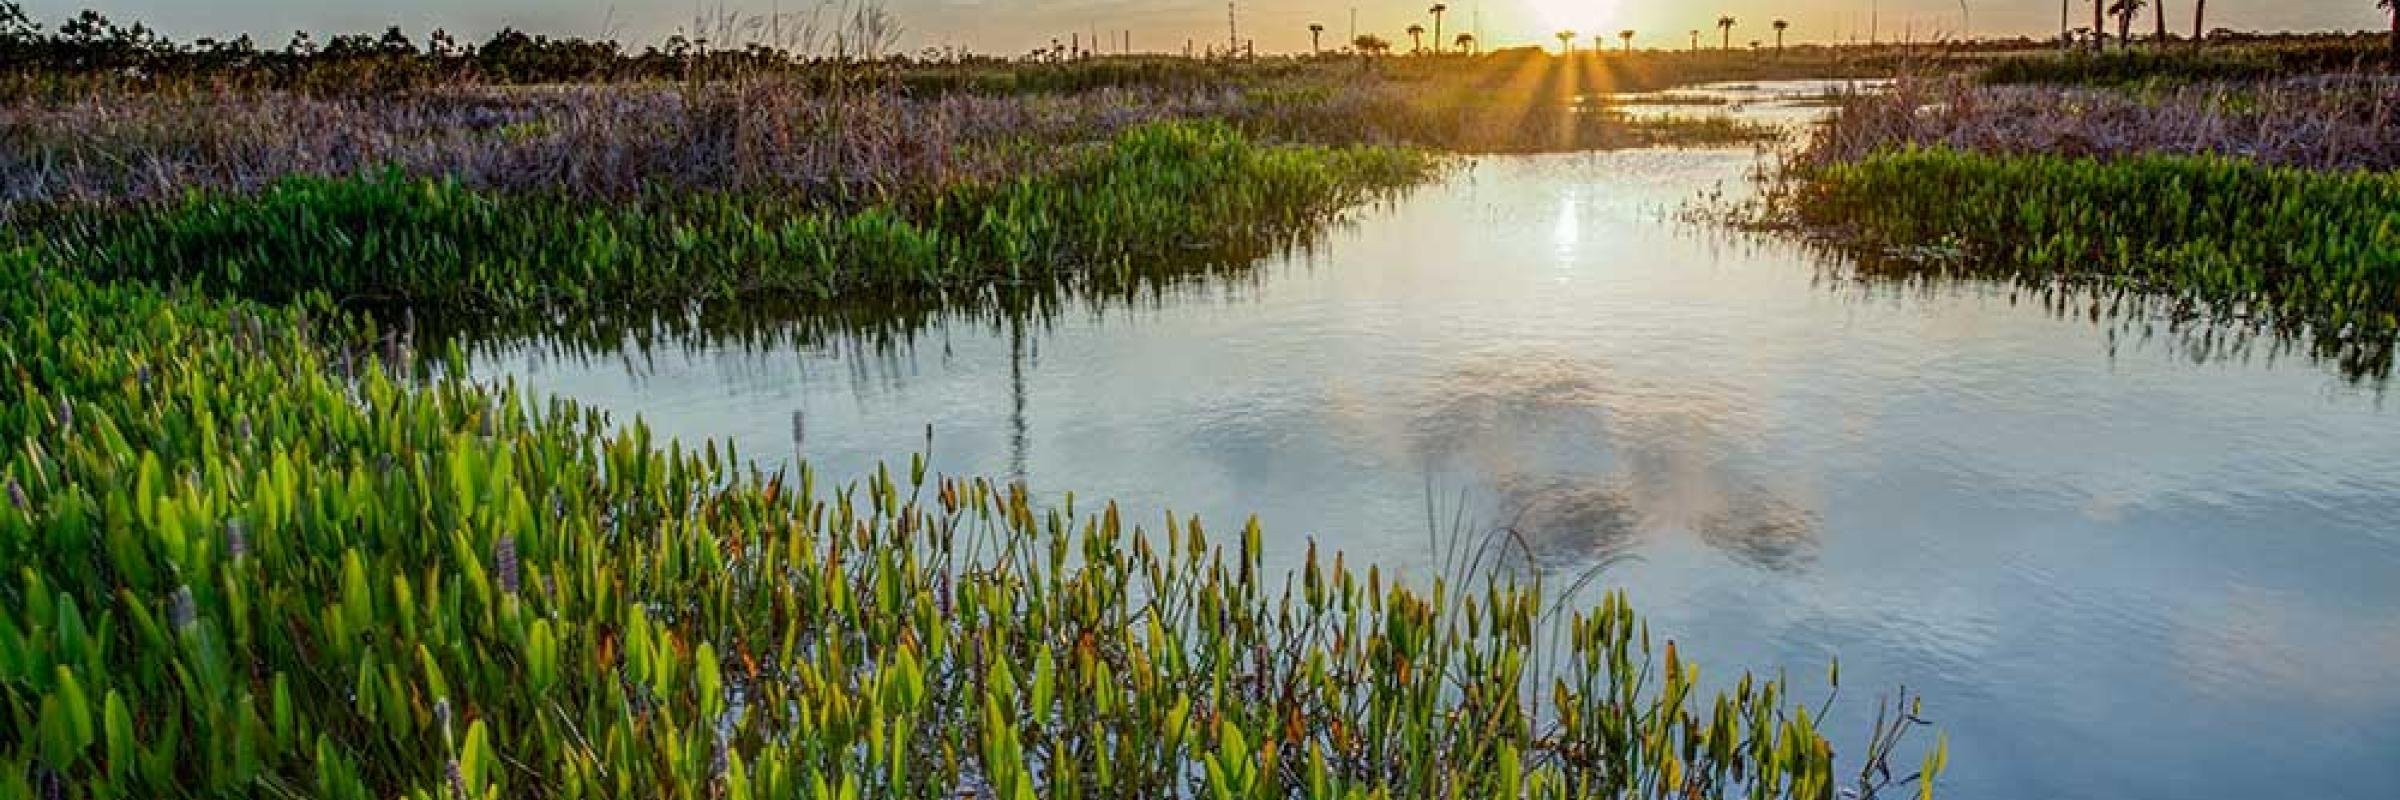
2119	557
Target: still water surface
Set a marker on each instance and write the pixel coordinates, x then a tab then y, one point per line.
2118	564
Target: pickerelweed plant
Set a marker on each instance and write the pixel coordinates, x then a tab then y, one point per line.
241	558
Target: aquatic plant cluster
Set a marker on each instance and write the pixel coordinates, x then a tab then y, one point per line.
245	558
2269	202
1150	195
2274	242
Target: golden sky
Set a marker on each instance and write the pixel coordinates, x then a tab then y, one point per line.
1012	26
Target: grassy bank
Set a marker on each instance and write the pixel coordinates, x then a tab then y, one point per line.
2289	244
2267	202
777	135
2332	122
2185	63
242	559
1140	200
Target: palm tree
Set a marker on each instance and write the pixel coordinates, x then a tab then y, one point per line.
1465	42
1416	34
2199	21
2099	27
1566	42
1780	27
1725	25
1437	11
2125	11
1368	44
2158	14
1316	38
1627	37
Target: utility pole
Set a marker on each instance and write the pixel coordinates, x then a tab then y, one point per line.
1233	30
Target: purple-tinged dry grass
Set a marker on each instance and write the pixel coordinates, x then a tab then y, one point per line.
584	141
788	138
2328	122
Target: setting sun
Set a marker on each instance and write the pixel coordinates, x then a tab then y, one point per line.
1561	15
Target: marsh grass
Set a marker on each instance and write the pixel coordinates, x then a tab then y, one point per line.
1172	188
2333	121
838	137
248	560
2240	239
2183	64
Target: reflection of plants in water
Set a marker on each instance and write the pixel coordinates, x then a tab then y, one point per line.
877	325
2185	325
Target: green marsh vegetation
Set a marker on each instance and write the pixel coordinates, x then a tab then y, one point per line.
252	545
392	240
2226	58
246	559
2268	203
2275	241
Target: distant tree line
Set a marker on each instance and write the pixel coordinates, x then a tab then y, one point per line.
90	43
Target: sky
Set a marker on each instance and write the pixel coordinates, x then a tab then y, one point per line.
1013	26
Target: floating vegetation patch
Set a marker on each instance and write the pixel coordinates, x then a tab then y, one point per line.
243	559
